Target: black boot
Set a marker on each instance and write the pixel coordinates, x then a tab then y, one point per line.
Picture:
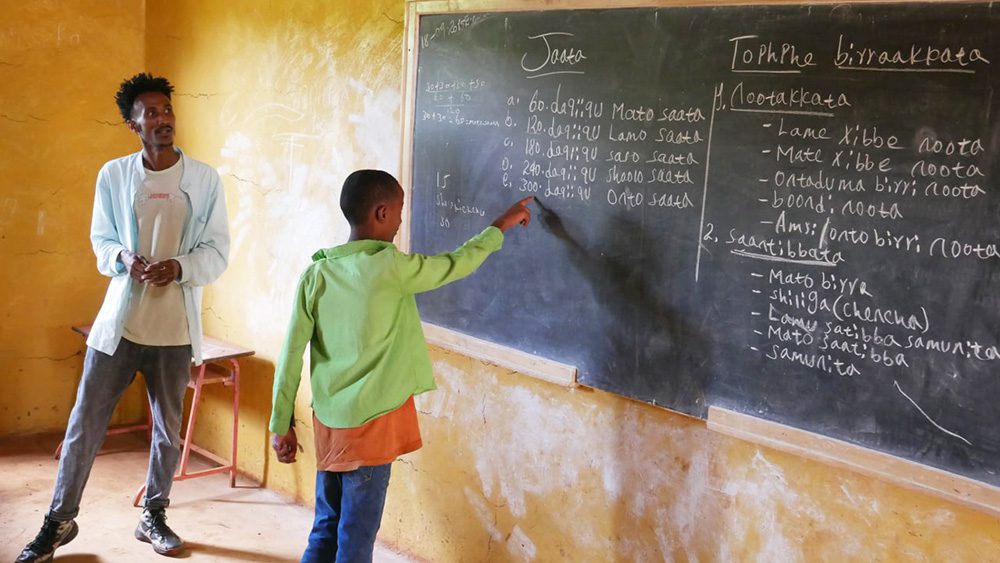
52	535
153	529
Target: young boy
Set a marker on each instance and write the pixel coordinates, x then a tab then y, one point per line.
368	358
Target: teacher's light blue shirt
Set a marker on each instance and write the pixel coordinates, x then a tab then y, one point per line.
204	242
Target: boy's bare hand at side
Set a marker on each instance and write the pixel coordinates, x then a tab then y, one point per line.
285	446
518	214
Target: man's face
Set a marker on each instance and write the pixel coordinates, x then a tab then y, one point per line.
153	119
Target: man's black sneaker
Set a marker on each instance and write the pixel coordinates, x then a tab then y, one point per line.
153	529
52	535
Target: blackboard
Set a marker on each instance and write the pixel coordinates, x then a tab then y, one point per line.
786	211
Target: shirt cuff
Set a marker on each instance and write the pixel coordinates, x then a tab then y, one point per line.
491	237
185	274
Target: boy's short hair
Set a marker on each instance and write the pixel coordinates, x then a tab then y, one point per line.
363	191
132	88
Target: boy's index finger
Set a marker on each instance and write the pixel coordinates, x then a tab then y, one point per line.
526	200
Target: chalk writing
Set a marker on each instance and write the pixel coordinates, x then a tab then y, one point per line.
749	199
913	58
548	59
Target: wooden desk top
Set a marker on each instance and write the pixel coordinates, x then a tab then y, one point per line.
212	349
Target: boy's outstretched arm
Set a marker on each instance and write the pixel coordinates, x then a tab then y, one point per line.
418	273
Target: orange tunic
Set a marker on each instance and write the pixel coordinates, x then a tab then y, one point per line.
377	442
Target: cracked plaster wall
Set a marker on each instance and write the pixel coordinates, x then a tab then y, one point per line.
60	65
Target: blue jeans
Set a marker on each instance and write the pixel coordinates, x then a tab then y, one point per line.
167	370
348	515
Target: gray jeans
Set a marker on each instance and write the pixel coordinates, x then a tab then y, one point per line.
166	370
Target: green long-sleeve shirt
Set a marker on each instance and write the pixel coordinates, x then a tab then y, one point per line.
355	306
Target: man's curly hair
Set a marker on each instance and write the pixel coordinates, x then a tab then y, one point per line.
139	84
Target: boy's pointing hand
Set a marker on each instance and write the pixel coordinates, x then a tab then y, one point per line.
518	214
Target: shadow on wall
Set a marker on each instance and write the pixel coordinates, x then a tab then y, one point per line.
659	330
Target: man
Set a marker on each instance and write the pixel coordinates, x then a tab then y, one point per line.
159	230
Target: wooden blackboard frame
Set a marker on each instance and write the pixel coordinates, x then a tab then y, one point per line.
886	467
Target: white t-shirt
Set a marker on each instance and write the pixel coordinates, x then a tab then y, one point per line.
156	315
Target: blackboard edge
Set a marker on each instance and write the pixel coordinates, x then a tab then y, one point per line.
417	8
909	474
502	356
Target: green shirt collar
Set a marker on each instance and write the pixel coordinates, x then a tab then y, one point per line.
366	246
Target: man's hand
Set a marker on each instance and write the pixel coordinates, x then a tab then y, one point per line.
162	273
518	214
134	264
285	446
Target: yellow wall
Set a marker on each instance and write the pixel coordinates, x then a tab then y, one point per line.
60	65
286	98
514	469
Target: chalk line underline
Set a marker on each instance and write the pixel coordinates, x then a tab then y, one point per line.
770	258
939	427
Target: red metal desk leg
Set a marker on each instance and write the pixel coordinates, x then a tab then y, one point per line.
235	382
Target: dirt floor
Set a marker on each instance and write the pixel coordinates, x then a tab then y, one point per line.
247	523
